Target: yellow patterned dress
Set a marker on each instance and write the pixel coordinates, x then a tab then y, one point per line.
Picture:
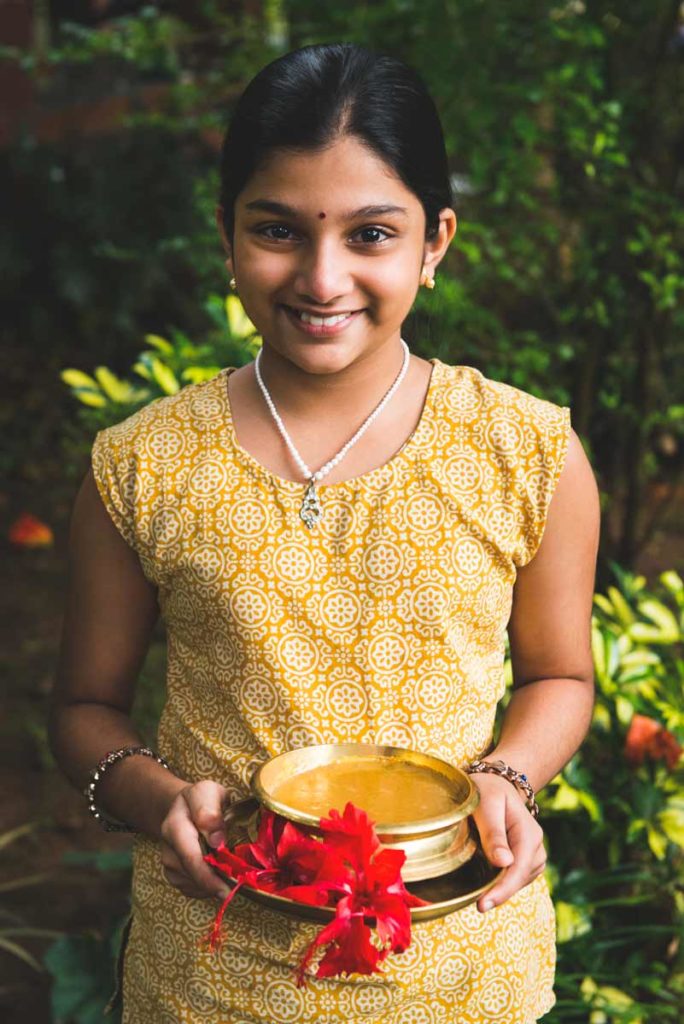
384	624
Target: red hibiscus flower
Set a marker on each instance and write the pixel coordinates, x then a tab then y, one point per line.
283	859
648	738
373	889
347	868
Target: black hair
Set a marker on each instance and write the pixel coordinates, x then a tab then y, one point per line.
310	97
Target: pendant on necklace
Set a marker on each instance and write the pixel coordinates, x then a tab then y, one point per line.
311	510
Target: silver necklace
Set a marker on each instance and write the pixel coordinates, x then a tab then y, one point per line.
311	510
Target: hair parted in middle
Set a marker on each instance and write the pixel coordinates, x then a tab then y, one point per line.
309	98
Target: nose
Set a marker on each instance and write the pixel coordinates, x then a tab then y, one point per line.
323	275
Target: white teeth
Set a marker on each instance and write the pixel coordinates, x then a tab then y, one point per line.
319	321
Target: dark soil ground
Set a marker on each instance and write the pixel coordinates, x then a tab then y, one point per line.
77	898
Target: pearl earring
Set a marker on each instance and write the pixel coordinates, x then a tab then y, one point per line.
232	283
428	281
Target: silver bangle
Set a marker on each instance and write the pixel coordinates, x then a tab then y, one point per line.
517	778
110	824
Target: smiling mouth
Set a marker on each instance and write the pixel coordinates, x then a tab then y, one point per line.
321	319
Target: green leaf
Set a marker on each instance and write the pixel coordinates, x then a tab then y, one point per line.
22	954
571	921
645	634
239	324
624	710
623	611
78	379
657	842
604	604
598	650
672	820
23	883
142	370
197	374
82	968
103	860
85	388
161	344
591	804
601	717
662	616
634	659
96	400
114	388
165	377
673	581
12	834
565	798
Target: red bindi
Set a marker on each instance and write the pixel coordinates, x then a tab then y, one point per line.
321	215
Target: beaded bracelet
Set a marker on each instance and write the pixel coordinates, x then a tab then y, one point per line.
109	824
517	778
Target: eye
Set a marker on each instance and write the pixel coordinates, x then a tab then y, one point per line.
266	228
272	227
376	230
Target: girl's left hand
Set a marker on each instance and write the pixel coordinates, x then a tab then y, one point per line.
510	837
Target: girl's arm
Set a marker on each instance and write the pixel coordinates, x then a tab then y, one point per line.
110	611
550	709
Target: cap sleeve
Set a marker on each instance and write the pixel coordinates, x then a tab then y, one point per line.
547	427
114	474
130	487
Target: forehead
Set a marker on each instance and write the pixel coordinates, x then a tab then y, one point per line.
337	180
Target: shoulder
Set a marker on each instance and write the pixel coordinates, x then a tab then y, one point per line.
166	417
507	419
468	380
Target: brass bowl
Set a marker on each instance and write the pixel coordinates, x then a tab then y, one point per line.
434	846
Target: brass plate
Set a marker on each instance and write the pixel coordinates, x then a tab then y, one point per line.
285	767
447	894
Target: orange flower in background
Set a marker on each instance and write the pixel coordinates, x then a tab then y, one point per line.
648	738
27	531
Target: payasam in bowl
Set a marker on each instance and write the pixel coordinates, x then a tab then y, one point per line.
419	803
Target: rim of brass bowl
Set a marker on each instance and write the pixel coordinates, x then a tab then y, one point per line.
309	912
294	762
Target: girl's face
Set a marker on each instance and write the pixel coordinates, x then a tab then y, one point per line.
303	241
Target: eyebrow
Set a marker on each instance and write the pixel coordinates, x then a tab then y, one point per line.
271	206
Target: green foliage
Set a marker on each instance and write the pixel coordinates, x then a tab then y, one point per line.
82	969
615	829
13	931
563	123
166	366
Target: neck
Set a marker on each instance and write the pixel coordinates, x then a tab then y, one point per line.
360	385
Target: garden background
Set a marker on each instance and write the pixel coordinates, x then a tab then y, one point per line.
565	131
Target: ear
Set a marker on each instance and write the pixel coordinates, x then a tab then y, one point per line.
218	214
437	246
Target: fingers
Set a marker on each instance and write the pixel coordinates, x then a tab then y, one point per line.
511	838
206	801
176	876
490	817
196	809
528	861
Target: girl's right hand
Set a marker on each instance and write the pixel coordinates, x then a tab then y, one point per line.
197	808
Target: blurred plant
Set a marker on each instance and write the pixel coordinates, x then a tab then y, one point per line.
167	365
619	892
85	967
12	928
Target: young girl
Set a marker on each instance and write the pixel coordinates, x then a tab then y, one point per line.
337	536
